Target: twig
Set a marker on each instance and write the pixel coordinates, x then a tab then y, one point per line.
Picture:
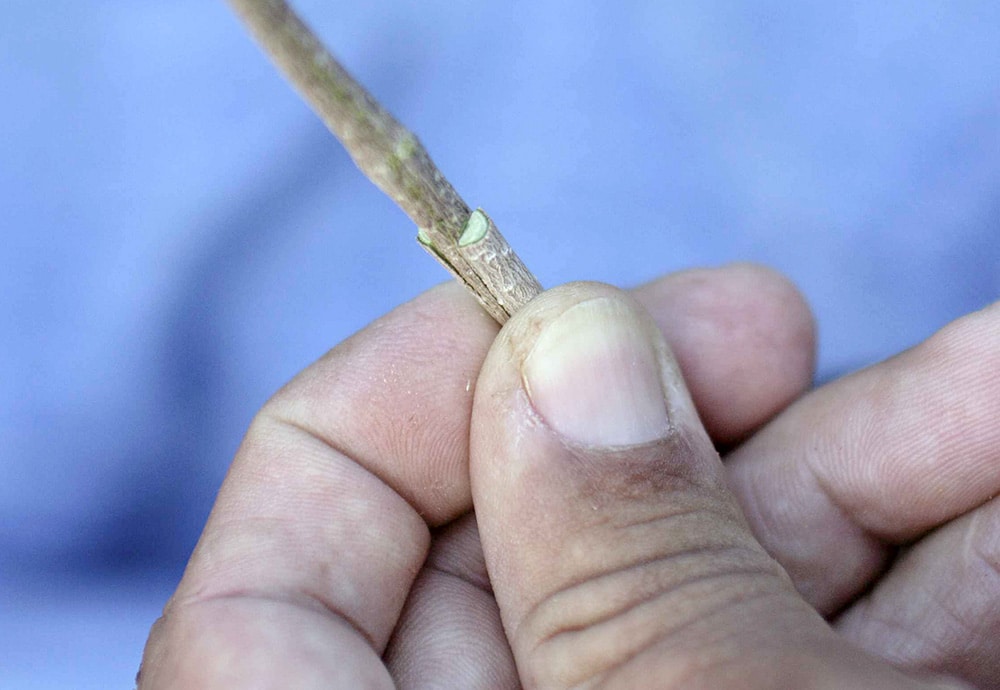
467	244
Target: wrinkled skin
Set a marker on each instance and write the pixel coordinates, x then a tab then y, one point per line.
417	510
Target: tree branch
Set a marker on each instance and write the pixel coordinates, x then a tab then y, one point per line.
467	244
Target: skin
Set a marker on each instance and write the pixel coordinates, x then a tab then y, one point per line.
847	539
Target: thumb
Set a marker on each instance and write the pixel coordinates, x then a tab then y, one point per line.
617	554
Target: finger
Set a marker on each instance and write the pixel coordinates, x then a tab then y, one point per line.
744	338
876	459
385	414
320	528
450	631
939	607
449	634
615	550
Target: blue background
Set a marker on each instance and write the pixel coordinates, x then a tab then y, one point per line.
179	235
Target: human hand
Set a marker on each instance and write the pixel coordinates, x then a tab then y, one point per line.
632	566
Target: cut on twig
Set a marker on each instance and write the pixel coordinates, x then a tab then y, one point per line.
467	243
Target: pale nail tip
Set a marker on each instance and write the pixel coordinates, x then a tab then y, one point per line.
594	377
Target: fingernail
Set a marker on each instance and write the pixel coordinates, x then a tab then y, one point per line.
593	375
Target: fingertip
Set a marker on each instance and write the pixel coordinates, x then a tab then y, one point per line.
594	351
397	397
744	336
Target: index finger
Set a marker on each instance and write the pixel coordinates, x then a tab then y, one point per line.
322	522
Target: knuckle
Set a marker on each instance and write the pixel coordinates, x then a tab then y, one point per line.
587	633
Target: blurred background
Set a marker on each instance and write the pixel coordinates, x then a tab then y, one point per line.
179	235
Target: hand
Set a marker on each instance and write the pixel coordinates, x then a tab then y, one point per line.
342	551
